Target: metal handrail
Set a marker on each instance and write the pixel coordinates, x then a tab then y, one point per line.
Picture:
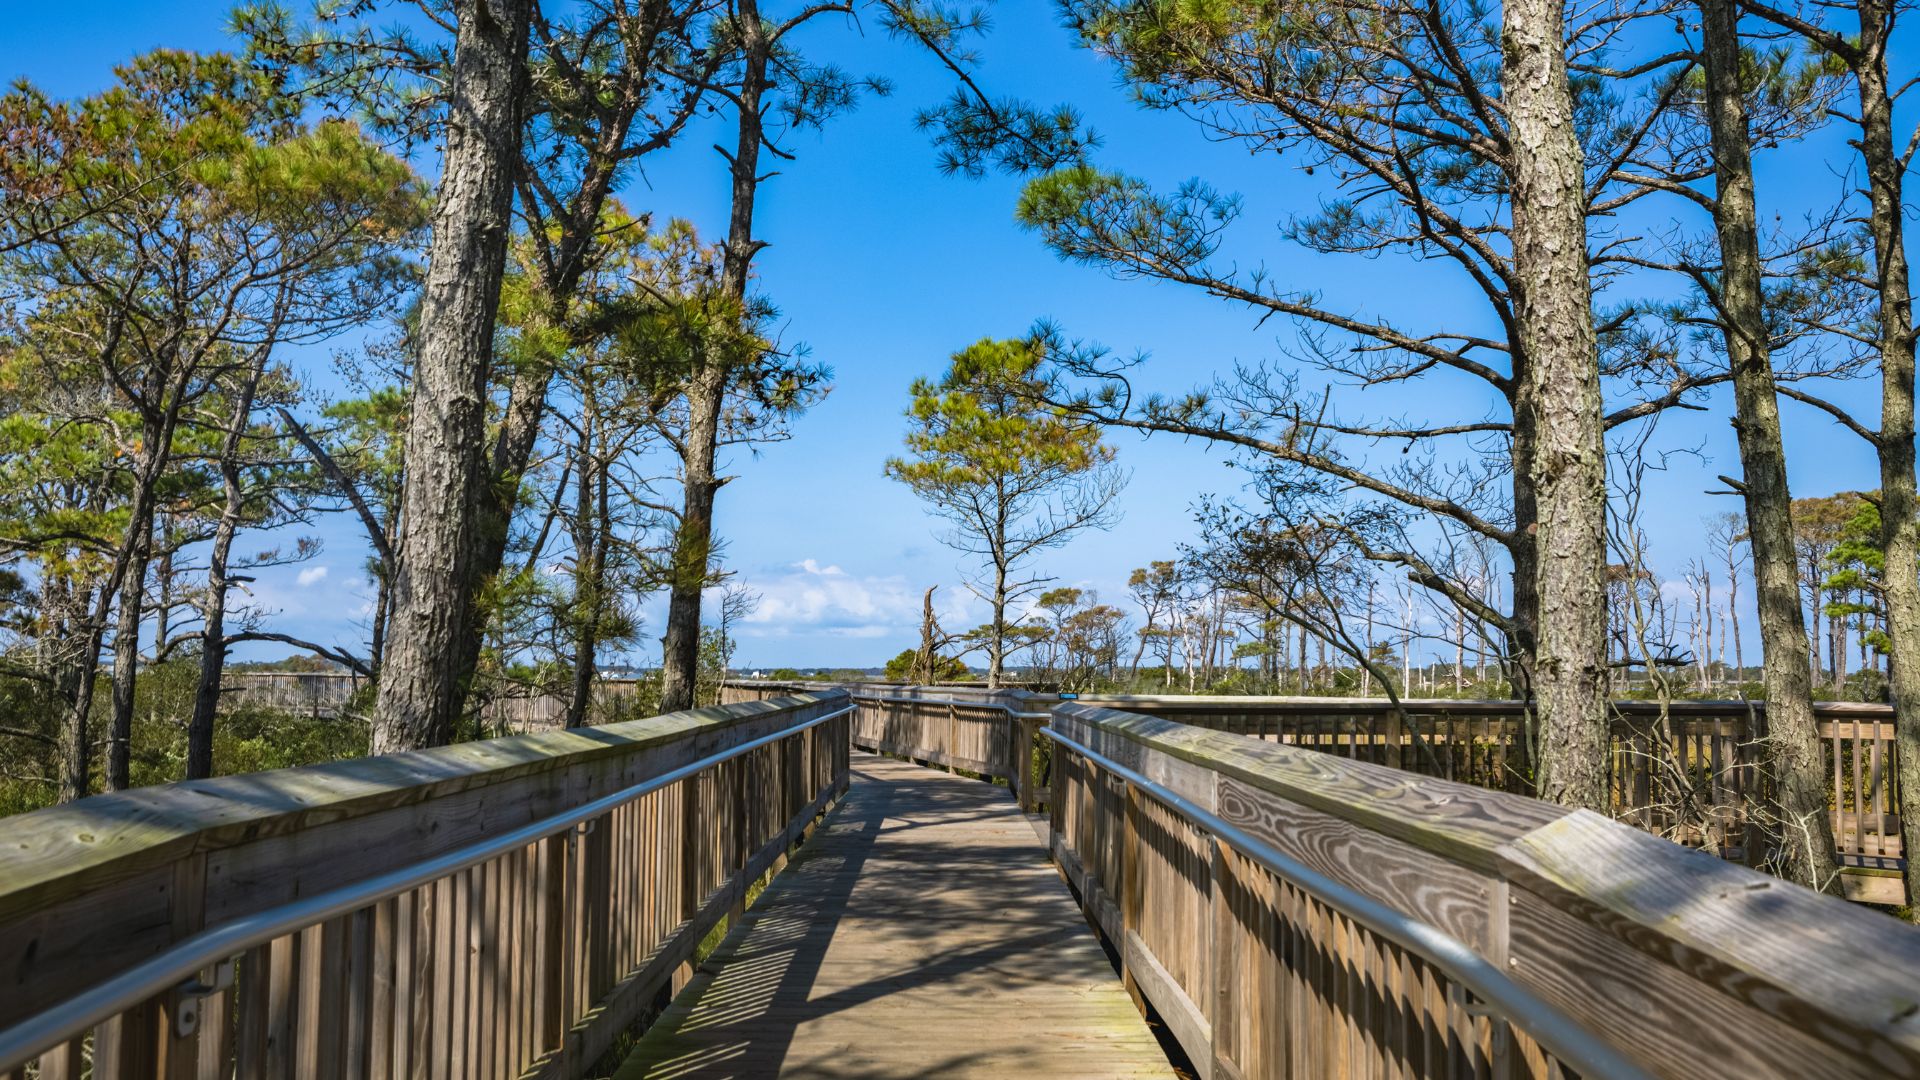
1568	1041
186	959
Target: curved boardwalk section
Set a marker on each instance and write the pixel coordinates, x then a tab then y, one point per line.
920	933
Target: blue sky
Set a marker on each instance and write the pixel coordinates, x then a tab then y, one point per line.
884	267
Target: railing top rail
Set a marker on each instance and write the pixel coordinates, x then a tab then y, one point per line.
64	851
183	960
1245	703
1834	971
1464	706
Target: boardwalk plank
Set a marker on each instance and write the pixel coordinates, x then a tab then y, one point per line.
921	933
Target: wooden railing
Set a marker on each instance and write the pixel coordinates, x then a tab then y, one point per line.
1704	790
1289	913
991	733
1693	776
494	909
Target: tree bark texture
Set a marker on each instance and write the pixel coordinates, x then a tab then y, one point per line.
422	688
1795	761
126	661
706	392
1900	532
693	544
213	649
1555	328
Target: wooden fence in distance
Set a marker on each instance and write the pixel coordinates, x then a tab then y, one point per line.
327	695
527	963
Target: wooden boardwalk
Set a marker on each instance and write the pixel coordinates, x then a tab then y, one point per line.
922	932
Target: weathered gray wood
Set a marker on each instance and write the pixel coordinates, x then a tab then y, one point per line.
1784	958
635	994
1692	965
1183	1017
1439	892
90	886
1464	823
919	933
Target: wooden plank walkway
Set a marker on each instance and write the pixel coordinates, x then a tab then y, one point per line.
922	932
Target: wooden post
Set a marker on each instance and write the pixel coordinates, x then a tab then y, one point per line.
693	835
1130	885
550	1000
596	848
1021	779
1218	999
179	1054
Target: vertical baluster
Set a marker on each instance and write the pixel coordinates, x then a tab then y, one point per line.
520	963
413	985
383	988
282	999
486	997
446	945
1839	797
472	988
356	999
1856	843
1877	796
63	1062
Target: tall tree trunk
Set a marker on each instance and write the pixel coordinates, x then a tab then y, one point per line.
213	651
1707	613
997	643
422	688
1733	615
591	540
1523	549
163	585
1900	530
1459	651
1554	316
1810	605
377	633
1794	755
693	543
1837	645
73	670
680	648
156	437
126	661
579	231
1366	668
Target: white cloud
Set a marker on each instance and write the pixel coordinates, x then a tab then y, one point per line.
312	575
809	599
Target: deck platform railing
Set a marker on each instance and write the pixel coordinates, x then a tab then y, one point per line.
1690	773
1290	908
1298	914
499	909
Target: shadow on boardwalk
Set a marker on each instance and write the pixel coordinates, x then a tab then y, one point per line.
921	933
